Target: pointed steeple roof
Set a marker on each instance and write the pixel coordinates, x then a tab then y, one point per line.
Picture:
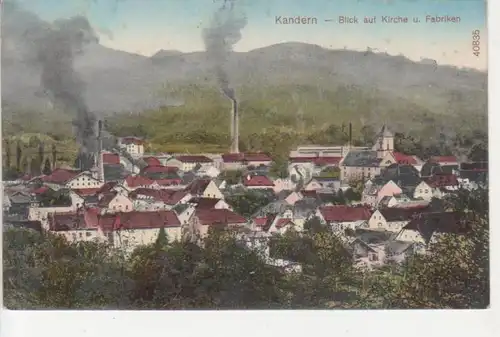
385	132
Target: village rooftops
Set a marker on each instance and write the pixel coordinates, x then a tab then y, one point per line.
361	159
60	176
345	213
152	161
111	158
257	180
132	140
169	197
402	158
90	219
401	214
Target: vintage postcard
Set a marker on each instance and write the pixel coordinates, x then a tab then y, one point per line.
245	154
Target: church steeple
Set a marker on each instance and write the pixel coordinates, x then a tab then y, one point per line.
384	142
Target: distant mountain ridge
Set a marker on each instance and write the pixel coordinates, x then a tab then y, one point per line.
119	81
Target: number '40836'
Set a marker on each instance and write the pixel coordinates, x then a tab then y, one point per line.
476	42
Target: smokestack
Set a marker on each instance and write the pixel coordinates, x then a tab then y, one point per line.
99	160
350	134
235	132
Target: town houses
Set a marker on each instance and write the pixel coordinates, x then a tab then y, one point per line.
378	200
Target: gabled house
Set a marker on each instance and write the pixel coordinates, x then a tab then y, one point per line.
360	164
285	184
83	180
189	162
426	227
116	202
343	217
436	186
209	171
133	145
373	193
209	203
149	199
205	188
293	197
202	219
133	182
392	219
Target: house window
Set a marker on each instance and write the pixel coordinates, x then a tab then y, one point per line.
373	257
126	207
420	191
80	235
426	191
87	234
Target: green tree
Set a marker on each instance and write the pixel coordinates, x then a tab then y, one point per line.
249	202
279	169
478	153
46	167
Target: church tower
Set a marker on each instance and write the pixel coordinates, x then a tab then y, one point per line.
384	142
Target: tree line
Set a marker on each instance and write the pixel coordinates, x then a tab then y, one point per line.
43	270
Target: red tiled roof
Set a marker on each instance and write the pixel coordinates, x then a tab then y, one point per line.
248	157
193	159
442	180
146	220
40	190
152	161
132	140
159	169
444	159
87	191
402	158
283	222
219	216
260	222
344	213
60	176
90	219
136	181
169	182
169	197
258	181
111	158
197	186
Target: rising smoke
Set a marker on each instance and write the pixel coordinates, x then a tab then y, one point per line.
219	37
55	51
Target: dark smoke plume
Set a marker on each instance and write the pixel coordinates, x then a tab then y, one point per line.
55	51
219	37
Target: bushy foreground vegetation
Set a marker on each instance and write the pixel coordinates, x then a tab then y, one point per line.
42	271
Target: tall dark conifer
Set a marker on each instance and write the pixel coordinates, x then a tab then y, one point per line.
54	156
7	154
19	154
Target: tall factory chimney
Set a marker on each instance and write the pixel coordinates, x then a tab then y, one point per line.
350	134
235	132
99	159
